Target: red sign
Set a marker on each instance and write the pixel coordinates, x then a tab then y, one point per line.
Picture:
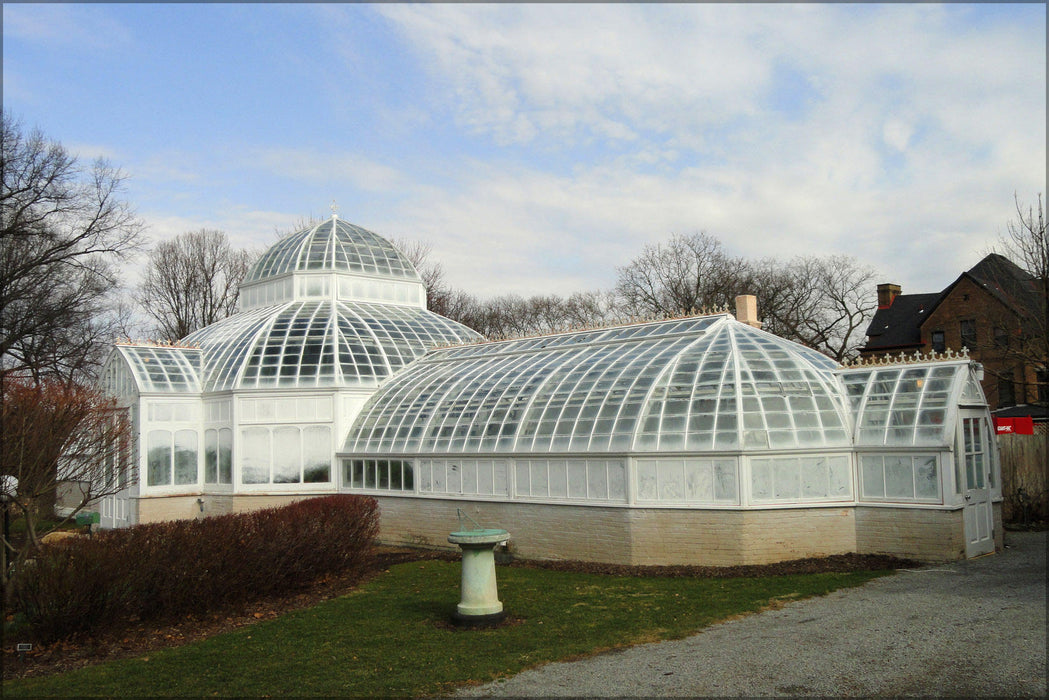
1021	425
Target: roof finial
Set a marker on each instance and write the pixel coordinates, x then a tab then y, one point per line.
334	209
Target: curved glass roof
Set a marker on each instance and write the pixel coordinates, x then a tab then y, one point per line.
333	245
322	343
908	404
163	369
699	384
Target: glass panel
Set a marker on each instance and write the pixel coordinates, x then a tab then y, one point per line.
872	474
899	477
927	482
225	456
814	481
524	484
185	457
316	454
671	478
440	476
761	479
839	477
407	477
499	481
255	464
455	483
726	481
787	479
646	480
287	456
484	477
576	478
159	458
699	481
558	479
211	456
597	480
469	477
617	481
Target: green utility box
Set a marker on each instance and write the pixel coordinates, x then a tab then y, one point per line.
89	518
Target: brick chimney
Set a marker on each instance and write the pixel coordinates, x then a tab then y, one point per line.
747	310
886	294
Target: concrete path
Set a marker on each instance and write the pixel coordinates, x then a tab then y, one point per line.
970	628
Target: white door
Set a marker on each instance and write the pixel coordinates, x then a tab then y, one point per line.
974	479
117	510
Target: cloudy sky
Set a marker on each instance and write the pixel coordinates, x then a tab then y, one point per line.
538	147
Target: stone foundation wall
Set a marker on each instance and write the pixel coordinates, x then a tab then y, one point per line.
912	533
797	533
646	536
158	509
537	530
640	536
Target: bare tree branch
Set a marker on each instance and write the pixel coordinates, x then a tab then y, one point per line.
62	229
192	281
55	431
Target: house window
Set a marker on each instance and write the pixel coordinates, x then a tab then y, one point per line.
171	458
286	455
1006	390
1001	337
895	477
969	334
379	474
1042	377
218	456
939	343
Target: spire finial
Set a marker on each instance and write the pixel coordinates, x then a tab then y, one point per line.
334	209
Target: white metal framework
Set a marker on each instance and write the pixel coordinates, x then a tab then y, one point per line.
334	376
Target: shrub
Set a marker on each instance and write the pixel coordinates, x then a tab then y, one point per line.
193	567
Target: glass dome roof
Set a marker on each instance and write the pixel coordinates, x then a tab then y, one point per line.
700	384
332	245
324	343
908	404
163	369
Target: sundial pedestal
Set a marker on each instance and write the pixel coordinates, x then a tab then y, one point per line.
479	604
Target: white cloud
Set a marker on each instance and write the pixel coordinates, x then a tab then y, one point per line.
315	167
895	133
60	24
917	129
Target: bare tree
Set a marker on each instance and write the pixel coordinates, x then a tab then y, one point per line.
192	281
1024	313
301	223
685	274
845	305
64	227
51	431
512	315
438	294
822	302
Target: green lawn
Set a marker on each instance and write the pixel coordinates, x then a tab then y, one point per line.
392	636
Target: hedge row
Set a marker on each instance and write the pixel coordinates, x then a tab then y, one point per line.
192	566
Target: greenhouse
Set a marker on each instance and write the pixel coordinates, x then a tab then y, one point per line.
697	440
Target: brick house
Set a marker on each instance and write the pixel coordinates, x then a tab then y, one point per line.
988	311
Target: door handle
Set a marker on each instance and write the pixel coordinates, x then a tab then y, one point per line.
968	497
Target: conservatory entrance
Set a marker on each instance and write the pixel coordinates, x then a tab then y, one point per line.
975	483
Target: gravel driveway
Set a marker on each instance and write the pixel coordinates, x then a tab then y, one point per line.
969	628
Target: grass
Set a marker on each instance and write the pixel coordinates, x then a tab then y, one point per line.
392	636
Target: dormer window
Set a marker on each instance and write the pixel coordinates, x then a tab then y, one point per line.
968	330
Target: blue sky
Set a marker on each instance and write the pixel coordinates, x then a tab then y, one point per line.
537	147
